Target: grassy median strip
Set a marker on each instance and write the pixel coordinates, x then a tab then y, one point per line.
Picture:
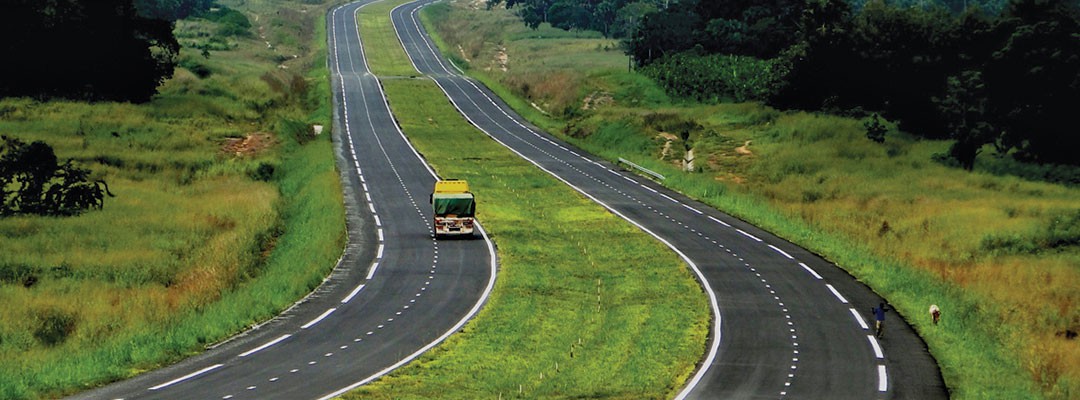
381	45
586	305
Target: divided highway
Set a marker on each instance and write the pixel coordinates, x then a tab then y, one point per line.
786	323
395	293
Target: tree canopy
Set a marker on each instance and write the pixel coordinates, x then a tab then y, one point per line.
33	181
88	50
998	72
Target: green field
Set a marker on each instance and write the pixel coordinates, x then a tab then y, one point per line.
200	242
999	253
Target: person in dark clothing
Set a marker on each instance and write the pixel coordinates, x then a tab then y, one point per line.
879	319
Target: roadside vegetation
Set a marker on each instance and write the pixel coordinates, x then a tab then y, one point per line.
997	249
227	208
571	316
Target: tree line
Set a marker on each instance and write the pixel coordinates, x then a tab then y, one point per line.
118	50
1008	78
1004	73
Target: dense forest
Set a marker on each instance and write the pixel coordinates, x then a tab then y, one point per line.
997	73
90	50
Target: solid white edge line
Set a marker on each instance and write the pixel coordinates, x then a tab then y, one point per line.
836	293
785	254
748	235
318	319
188	376
352	294
371	271
877	347
476	308
883	379
810	270
859	319
267	344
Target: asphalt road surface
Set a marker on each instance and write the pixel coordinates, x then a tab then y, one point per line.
786	323
396	292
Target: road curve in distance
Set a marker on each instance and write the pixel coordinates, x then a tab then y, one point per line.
396	292
786	323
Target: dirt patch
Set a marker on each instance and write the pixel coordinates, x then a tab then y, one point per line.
463	56
668	138
596	100
731	178
744	150
249	145
501	59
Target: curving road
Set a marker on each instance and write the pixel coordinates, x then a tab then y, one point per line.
395	293
786	323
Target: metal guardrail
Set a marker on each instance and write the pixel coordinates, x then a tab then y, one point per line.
642	169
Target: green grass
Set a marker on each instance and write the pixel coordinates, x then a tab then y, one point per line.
196	246
622	318
981	245
384	53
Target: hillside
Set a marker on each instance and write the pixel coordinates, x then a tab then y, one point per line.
226	210
982	245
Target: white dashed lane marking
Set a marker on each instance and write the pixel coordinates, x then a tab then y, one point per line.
836	293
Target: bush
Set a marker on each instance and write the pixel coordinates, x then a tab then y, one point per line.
231	22
54	325
715	78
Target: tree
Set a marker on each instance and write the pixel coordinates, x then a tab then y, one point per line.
665	33
171	10
1033	80
965	108
43	185
875	130
93	50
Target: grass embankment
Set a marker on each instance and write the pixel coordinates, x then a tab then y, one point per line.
198	243
571	316
998	253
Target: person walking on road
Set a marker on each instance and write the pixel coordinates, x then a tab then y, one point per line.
879	319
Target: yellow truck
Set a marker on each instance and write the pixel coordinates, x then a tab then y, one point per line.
454	208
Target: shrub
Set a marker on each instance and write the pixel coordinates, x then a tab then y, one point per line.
54	325
716	78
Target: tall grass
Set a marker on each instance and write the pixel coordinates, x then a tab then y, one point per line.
196	246
570	316
997	252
